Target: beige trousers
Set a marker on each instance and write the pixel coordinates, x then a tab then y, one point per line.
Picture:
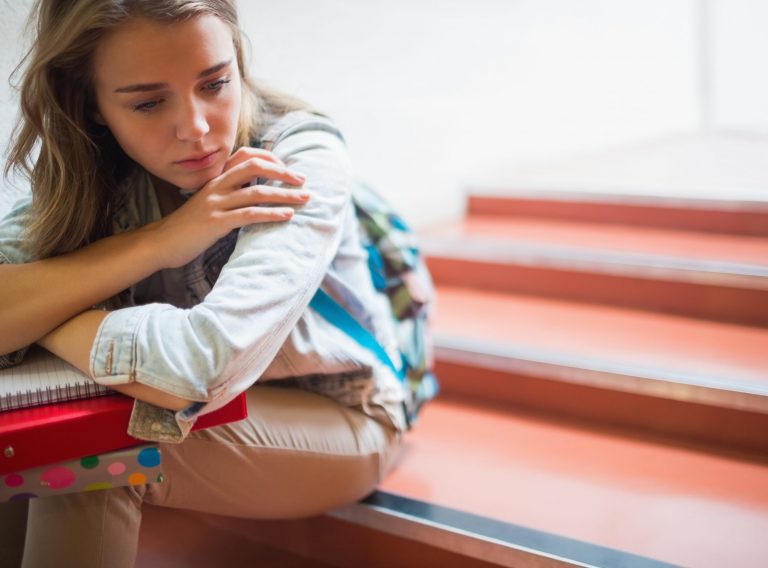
298	454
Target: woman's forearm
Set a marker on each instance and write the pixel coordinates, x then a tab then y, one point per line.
72	342
39	296
222	345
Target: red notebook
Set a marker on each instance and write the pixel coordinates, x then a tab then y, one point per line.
30	437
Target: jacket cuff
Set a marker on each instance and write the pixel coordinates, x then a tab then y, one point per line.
113	353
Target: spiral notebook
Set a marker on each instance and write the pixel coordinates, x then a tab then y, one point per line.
51	412
42	378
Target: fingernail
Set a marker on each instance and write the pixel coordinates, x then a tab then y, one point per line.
297	175
304	196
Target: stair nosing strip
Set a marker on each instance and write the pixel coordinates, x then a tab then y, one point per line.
467	544
593	372
508	550
639	265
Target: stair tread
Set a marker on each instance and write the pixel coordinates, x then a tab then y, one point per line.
724	354
745	216
704	247
627	493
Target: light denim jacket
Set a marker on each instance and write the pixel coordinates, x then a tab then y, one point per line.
211	329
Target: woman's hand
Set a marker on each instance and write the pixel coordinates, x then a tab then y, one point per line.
227	202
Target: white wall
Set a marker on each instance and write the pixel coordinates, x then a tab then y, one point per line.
738	80
14	15
434	95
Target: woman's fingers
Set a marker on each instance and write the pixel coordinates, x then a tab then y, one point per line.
255	195
243	154
266	164
255	167
250	215
229	201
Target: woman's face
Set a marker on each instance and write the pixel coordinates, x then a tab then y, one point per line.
170	95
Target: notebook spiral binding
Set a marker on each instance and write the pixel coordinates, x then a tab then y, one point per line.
62	393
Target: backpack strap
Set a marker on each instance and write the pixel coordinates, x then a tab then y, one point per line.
335	314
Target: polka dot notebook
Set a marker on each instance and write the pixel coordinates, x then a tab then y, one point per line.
133	466
51	414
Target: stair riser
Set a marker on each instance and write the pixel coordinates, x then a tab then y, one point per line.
736	222
723	429
700	300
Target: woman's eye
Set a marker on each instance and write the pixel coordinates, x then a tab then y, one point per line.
216	86
146	106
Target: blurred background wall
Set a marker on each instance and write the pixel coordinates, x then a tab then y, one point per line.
735	53
435	98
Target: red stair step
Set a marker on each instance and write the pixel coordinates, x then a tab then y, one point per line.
722	277
691	379
662	501
721	351
711	215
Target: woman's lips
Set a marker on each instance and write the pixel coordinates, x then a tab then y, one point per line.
199	162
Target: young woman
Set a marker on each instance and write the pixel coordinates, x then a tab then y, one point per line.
167	255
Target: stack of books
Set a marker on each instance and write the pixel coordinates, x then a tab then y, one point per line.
61	432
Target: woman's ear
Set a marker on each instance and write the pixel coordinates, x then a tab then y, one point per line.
98	119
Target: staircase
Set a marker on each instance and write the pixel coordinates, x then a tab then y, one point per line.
604	372
658	323
617	349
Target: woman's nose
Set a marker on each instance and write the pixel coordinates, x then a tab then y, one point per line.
192	123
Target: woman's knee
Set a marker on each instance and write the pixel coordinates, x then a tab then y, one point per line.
298	454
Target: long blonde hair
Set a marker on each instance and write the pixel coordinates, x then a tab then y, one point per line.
74	165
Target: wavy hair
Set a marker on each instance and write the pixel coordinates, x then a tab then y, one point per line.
74	165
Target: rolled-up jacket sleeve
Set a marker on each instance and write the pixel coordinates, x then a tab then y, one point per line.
212	351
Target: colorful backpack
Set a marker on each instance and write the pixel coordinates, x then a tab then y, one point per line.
399	272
